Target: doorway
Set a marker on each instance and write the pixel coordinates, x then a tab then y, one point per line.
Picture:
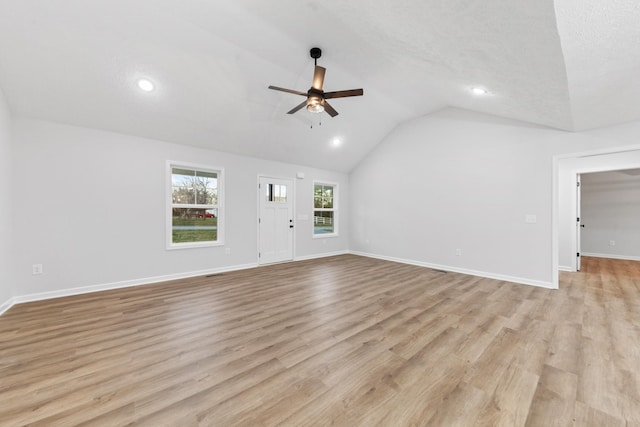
567	168
275	220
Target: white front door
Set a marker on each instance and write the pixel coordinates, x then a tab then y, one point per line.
275	224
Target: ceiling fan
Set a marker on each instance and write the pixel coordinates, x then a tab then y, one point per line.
316	98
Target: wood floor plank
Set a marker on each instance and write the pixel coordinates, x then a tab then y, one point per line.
511	399
418	400
461	407
554	401
344	340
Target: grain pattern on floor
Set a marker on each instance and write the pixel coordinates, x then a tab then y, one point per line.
344	340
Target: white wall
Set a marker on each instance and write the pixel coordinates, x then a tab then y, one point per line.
6	247
611	212
461	180
90	207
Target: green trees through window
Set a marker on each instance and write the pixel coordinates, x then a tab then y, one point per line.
324	209
194	205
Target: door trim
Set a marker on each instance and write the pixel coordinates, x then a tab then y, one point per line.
578	222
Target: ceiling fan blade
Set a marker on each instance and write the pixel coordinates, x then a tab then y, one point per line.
297	107
318	77
330	110
343	93
281	89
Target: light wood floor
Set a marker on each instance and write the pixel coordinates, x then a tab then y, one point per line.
344	340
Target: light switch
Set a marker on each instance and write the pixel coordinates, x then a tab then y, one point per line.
530	219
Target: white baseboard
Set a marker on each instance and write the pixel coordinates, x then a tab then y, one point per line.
519	280
125	284
6	305
322	255
139	282
156	279
624	257
566	268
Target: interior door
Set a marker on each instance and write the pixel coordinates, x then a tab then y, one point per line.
578	222
275	227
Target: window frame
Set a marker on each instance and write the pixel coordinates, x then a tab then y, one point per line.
170	165
335	210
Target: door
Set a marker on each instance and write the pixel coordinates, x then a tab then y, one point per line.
275	222
578	222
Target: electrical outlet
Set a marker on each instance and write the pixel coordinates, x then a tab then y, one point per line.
458	252
36	269
227	251
612	242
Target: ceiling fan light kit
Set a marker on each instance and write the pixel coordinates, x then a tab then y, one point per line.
316	97
315	104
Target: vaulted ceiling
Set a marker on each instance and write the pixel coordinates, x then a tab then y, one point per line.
570	65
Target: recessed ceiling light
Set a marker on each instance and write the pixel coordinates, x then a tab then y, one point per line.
145	85
336	142
479	91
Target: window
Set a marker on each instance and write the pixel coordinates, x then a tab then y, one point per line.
195	211
325	209
276	193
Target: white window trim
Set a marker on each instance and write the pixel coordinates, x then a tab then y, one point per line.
336	214
169	204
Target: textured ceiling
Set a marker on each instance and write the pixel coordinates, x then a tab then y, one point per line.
571	64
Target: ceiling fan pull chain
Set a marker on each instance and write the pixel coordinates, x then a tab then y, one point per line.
319	122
